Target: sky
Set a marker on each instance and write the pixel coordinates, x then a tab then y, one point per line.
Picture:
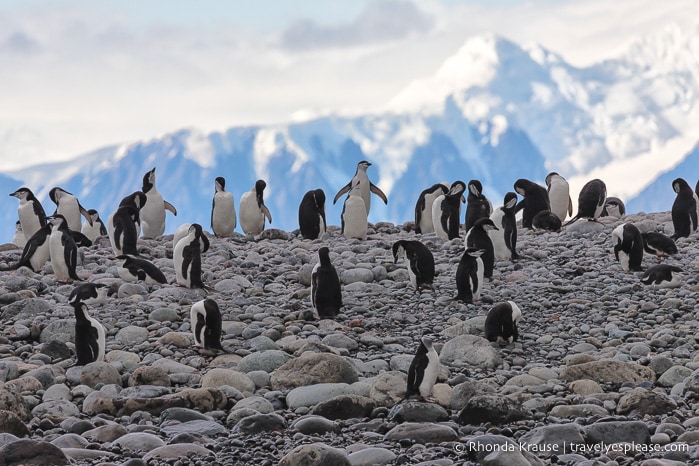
77	75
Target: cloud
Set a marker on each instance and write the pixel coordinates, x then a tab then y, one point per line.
383	20
19	42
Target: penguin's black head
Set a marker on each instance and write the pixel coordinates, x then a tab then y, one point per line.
510	200
57	193
220	184
364	164
475	187
148	181
522	185
549	177
23	193
196	229
485	223
136	199
680	185
319	199
457	188
57	220
18	225
398	248
324	255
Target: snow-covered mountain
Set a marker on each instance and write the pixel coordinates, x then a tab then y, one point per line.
494	111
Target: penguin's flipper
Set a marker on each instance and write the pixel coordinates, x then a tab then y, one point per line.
93	343
344	190
314	287
170	207
85	214
416	373
570	206
376	190
266	212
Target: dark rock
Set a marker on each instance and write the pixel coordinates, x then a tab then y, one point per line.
345	407
316	454
495	409
32	453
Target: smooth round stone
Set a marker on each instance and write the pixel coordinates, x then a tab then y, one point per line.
315	425
258	403
140	442
372	456
164	314
56	392
132	336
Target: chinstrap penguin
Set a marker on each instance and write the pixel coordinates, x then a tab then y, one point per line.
478	238
613	207
504	238
312	224
684	209
62	249
366	187
546	220
559	196
501	322
446	211
123	230
477	205
534	200
663	276
420	262
628	247
31	213
187	258
354	214
658	244
590	201
135	268
423	207
469	276
89	293
19	239
423	370
253	210
89	336
36	252
96	229
326	293
206	324
153	211
223	219
69	206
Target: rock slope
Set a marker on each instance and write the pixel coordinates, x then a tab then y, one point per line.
606	370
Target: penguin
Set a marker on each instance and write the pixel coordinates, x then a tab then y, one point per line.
89	293
36	252
354	214
123	230
18	239
183	230
69	206
504	238
62	249
420	262
478	238
628	247
469	276
187	257
89	336
613	207
153	211
423	208
96	228
477	205
590	201
366	186
253	210
658	244
31	213
684	209
423	370
546	220
535	199
501	322
558	191
137	199
223	220
206	324
326	294
135	268
662	276
446	211
312	222
81	240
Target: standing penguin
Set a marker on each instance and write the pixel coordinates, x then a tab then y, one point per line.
559	195
153	211
420	262
446	211
469	276
62	249
89	293
662	276
366	186
354	214
658	244
31	213
501	322
36	252
590	201
504	237
253	209
326	294
478	238
423	370
69	206
222	210
95	229
535	199
628	247
684	209
312	214
206	324
18	239
423	207
89	336
187	258
613	207
477	205
135	268
123	233
137	200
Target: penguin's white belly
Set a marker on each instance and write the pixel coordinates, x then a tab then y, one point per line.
426	223
502	252
41	256
558	197
252	219
355	218
112	240
178	258
223	215
101	338
125	275
92	232
70	209
28	220
476	287
437	217
58	261
624	261
430	376
19	240
321	226
153	215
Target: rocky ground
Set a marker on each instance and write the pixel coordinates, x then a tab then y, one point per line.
606	370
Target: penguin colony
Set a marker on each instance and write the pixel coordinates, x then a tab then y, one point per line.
490	236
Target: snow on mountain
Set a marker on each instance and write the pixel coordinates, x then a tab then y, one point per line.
494	111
